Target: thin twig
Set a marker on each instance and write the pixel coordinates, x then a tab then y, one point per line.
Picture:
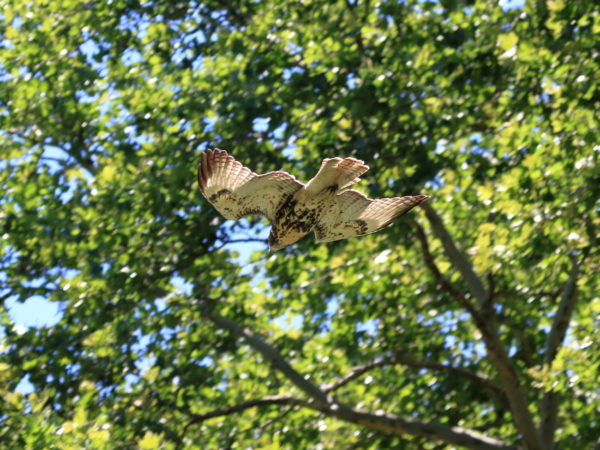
265	401
240	241
360	370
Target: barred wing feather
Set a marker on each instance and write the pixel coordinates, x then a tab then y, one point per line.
353	214
235	191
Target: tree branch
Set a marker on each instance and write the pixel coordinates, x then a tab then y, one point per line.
549	408
457	257
358	371
320	401
390	423
239	241
379	421
491	293
268	352
265	401
437	274
5	297
563	316
459	371
496	351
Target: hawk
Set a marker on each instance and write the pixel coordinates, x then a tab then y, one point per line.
324	205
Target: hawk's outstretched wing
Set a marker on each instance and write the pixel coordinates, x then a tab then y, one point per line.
235	191
352	214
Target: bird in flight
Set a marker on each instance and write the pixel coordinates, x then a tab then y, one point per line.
324	205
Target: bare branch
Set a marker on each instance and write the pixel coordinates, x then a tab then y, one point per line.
358	371
267	351
437	274
265	401
5	297
488	304
550	401
355	372
379	421
245	240
382	422
459	371
240	241
457	257
485	323
392	424
563	316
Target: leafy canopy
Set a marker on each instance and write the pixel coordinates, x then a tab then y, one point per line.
471	322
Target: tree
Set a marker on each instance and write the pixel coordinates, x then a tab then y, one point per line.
472	322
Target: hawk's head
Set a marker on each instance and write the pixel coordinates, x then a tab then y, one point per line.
279	239
273	241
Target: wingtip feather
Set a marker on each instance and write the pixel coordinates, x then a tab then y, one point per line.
209	160
418	199
201	173
206	164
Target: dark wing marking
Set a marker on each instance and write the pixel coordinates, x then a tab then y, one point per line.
235	191
352	214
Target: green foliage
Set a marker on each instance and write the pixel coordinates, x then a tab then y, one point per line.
104	107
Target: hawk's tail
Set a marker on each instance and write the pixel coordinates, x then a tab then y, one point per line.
337	174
